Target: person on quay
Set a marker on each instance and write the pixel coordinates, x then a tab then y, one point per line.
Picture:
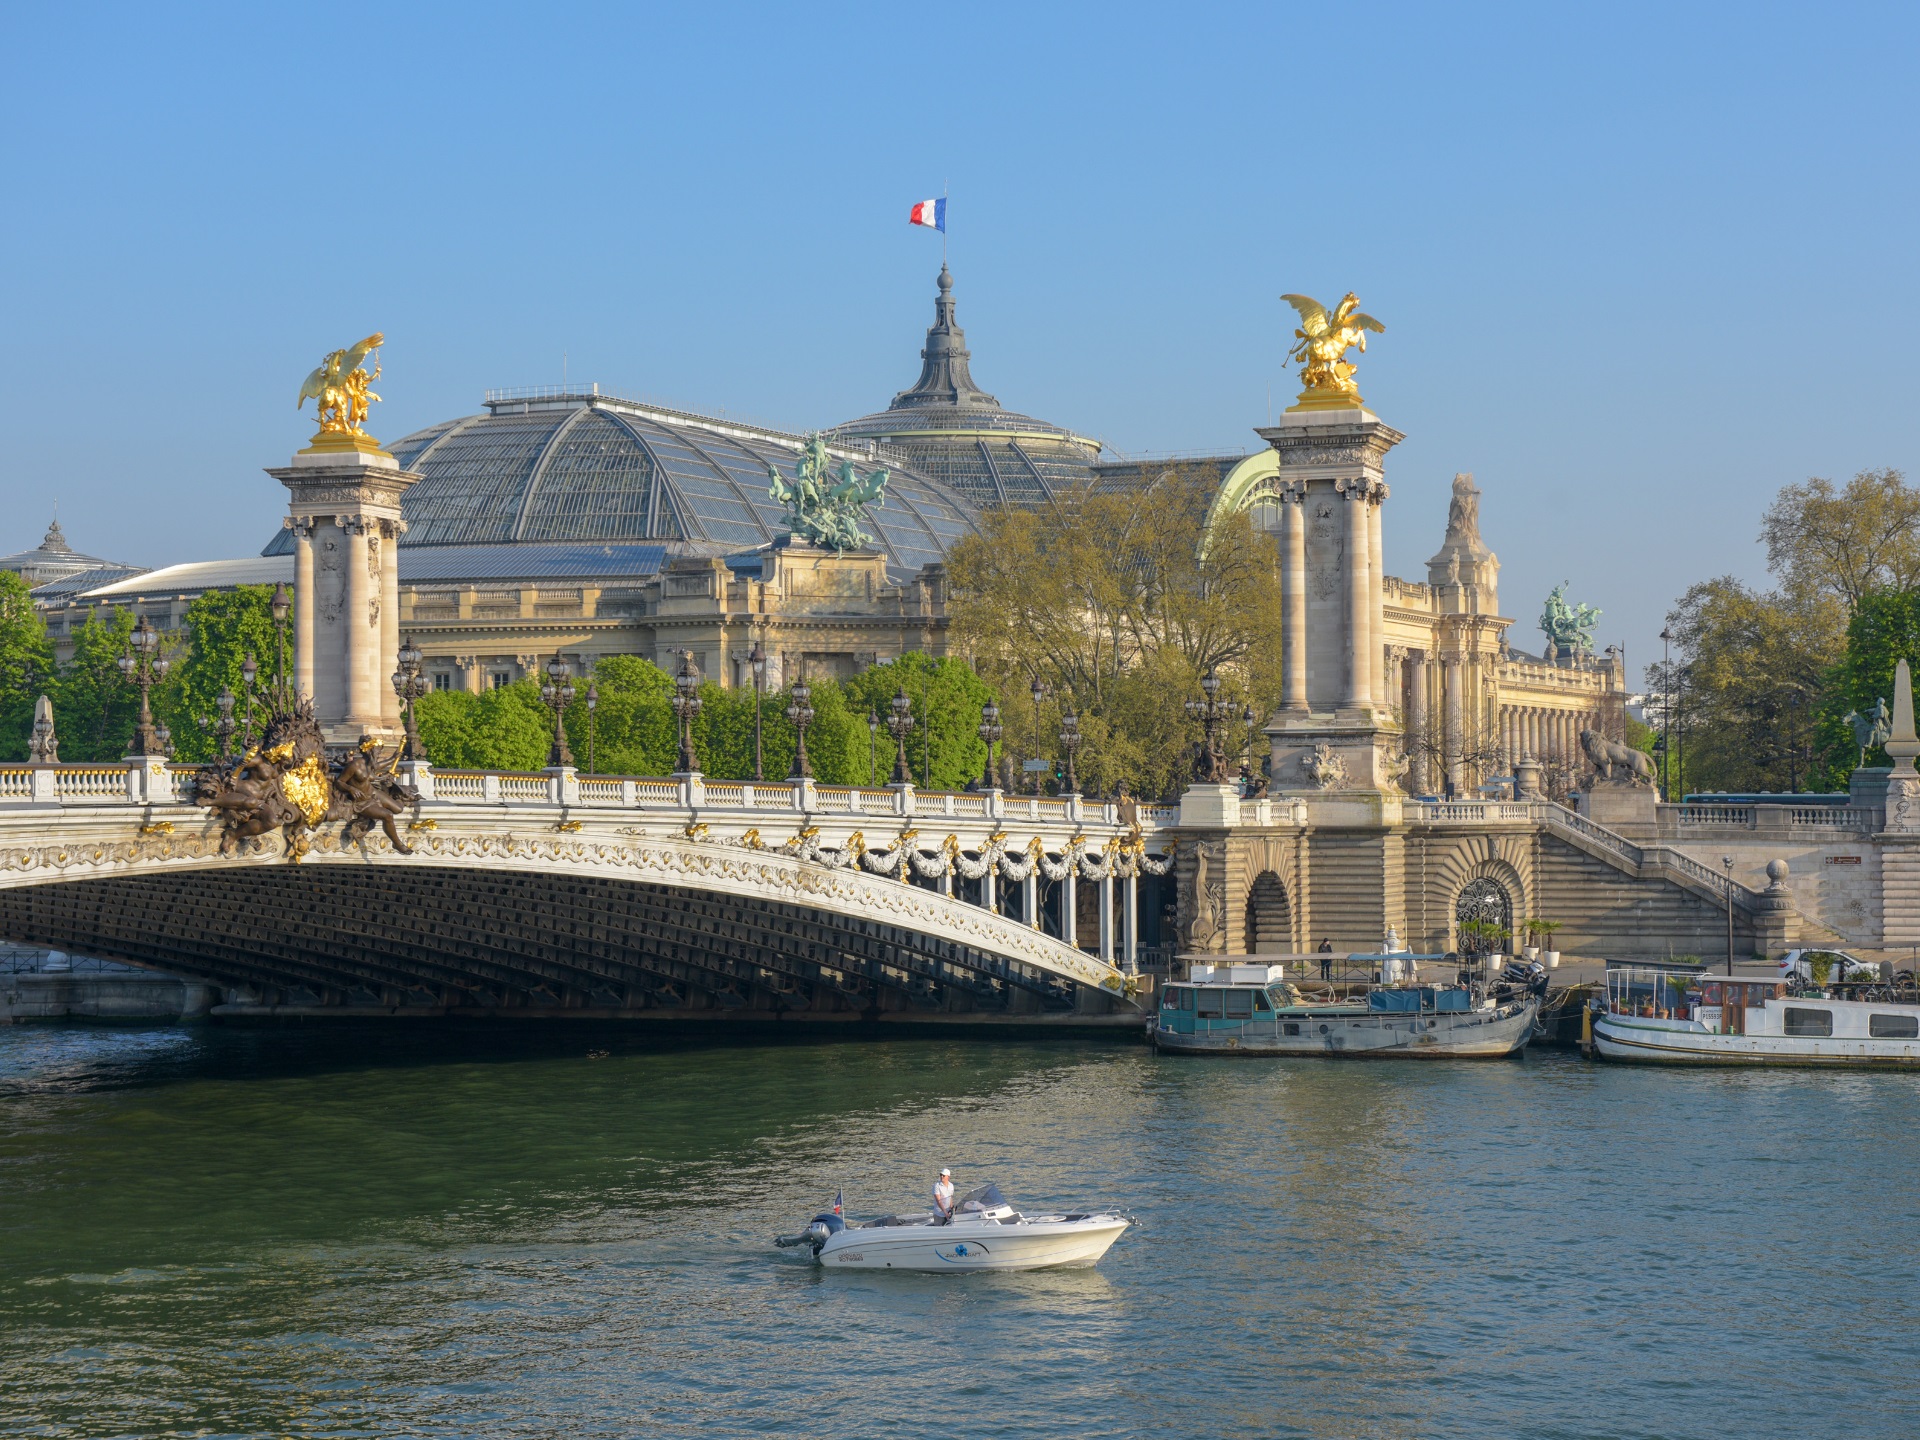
943	1197
1326	959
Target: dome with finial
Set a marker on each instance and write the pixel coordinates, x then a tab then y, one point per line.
947	427
57	560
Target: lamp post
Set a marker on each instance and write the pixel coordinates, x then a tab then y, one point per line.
409	684
1210	712
282	602
1039	692
800	712
757	660
145	666
558	694
686	705
1070	737
224	727
990	731
900	722
1666	714
248	670
593	704
1727	862
1248	719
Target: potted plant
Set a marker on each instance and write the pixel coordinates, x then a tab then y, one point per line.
1497	937
1544	929
1532	948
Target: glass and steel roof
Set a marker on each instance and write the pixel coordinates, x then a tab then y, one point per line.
578	467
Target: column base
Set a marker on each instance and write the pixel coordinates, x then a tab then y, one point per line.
1315	754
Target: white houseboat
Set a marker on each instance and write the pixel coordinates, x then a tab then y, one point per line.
1669	1016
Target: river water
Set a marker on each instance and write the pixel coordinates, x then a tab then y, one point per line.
387	1232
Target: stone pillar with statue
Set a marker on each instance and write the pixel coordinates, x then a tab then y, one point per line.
1336	730
344	495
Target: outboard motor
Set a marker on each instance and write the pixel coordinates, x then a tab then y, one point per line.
821	1228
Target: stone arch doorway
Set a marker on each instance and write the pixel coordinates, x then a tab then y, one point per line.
1483	901
1269	916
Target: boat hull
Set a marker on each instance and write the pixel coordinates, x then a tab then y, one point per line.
1467	1035
954	1248
1636	1041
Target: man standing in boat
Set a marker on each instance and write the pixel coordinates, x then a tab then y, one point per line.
943	1197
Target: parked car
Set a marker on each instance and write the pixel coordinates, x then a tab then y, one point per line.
1840	965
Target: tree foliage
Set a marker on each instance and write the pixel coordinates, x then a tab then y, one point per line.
1845	543
1884	629
221	629
26	665
1119	603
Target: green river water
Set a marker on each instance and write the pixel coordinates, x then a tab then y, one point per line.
393	1231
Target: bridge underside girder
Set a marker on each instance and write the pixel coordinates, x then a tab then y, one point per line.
331	935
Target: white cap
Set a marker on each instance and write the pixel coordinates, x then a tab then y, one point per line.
945	1171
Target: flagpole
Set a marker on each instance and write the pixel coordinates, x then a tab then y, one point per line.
943	228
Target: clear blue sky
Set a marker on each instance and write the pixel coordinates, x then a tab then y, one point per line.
1639	265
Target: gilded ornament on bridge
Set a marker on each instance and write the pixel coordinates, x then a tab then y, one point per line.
341	391
823	509
1321	344
287	784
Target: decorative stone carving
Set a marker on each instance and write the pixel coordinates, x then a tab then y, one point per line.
1608	755
1325	767
44	747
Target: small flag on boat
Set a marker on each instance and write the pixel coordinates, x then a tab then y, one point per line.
929	212
836	1202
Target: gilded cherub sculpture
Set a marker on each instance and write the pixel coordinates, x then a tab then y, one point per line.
341	389
1321	345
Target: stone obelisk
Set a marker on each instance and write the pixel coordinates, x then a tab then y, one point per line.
344	512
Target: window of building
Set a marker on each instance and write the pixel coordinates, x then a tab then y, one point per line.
1239	1004
442	681
1894	1027
1811	1023
501	679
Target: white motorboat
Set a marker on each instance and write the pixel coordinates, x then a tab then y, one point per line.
985	1232
1671	1016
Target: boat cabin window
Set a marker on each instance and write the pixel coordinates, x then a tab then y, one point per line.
1170	997
1894	1027
1239	1004
1812	1023
1260	1004
1209	1004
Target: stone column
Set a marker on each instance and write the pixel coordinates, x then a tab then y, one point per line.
1419	722
1030	897
389	622
1360	595
986	886
1293	598
363	705
1455	722
1070	903
1130	927
1377	605
303	606
1106	919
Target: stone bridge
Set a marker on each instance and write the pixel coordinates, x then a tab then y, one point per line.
565	894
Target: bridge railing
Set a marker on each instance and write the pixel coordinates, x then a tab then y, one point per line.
147	782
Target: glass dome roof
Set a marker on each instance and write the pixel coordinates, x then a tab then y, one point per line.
548	466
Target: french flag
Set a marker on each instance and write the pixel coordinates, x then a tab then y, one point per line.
929	212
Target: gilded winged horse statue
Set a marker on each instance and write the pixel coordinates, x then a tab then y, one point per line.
340	389
1321	344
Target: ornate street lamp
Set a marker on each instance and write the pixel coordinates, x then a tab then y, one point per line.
1210	765
757	660
557	694
900	722
224	727
1039	692
248	670
1071	737
800	712
409	684
1727	860
144	666
873	746
990	731
593	704
686	705
282	602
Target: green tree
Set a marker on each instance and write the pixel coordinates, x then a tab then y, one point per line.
26	665
94	705
1845	543
222	627
945	698
1884	630
633	728
502	729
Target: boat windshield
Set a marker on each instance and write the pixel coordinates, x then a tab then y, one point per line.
987	1197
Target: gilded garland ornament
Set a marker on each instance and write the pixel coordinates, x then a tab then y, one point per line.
1321	344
